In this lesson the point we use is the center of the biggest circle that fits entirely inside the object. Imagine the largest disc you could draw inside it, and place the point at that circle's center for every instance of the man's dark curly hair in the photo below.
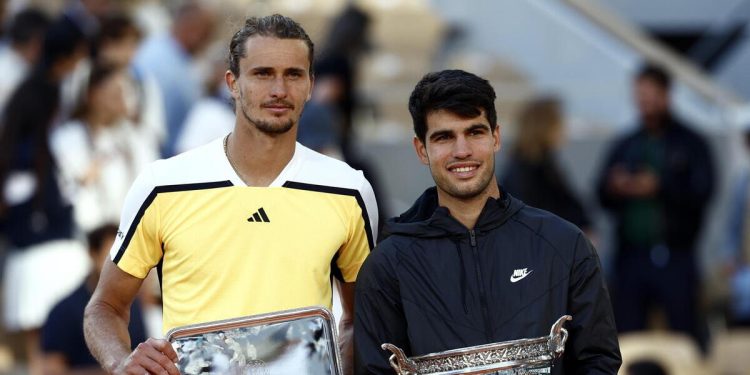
(455, 91)
(656, 74)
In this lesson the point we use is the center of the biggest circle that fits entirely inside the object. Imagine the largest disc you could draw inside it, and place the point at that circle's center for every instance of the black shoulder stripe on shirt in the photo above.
(339, 191)
(147, 202)
(335, 270)
(160, 269)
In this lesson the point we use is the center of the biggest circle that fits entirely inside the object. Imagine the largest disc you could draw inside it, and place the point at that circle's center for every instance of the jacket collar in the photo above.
(426, 219)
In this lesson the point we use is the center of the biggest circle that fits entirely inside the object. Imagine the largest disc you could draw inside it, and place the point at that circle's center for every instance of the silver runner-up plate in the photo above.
(299, 341)
(522, 356)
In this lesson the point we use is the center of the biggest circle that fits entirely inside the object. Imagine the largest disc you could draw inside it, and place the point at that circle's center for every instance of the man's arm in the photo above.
(105, 327)
(592, 347)
(689, 191)
(346, 326)
(379, 316)
(611, 176)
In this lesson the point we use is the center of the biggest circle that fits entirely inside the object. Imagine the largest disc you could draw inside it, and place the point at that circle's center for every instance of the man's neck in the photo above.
(655, 125)
(467, 211)
(257, 157)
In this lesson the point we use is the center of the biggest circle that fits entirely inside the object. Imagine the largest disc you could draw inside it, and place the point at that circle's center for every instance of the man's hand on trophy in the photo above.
(154, 356)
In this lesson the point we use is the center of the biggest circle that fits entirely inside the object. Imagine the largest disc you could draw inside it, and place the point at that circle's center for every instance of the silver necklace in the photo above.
(226, 152)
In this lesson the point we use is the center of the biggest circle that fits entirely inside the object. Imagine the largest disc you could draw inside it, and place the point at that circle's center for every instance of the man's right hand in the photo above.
(618, 181)
(105, 325)
(154, 356)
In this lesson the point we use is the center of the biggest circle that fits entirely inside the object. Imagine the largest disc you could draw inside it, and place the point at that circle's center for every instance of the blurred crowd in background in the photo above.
(615, 130)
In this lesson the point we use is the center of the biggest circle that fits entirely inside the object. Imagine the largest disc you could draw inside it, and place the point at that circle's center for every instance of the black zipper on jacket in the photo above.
(482, 294)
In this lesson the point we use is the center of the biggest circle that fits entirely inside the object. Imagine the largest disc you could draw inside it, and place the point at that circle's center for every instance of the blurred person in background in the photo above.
(98, 152)
(345, 44)
(63, 346)
(736, 262)
(25, 37)
(152, 16)
(533, 174)
(143, 128)
(116, 44)
(320, 127)
(3, 13)
(117, 40)
(212, 116)
(170, 59)
(44, 262)
(656, 182)
(85, 16)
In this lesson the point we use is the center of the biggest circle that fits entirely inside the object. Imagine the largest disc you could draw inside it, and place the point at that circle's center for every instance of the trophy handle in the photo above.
(399, 361)
(558, 336)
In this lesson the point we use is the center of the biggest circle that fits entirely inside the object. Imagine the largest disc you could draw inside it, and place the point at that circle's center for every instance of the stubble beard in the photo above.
(465, 192)
(265, 126)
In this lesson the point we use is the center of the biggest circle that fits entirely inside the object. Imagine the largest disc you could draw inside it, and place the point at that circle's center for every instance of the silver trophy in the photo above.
(523, 356)
(299, 341)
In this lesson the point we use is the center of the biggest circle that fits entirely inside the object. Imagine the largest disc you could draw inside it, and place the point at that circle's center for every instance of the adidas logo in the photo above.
(259, 217)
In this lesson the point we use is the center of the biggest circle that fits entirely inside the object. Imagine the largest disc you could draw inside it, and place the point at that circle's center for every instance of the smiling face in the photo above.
(273, 85)
(460, 153)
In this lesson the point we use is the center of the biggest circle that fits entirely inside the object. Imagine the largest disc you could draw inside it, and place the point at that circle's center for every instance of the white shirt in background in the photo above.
(118, 155)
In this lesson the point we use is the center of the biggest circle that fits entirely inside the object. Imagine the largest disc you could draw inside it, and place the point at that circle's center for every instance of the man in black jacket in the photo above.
(657, 181)
(468, 264)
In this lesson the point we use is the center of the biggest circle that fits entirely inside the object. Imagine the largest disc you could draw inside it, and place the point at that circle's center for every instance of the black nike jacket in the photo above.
(433, 285)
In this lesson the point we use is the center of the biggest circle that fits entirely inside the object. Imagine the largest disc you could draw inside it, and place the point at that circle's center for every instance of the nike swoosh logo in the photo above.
(514, 279)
